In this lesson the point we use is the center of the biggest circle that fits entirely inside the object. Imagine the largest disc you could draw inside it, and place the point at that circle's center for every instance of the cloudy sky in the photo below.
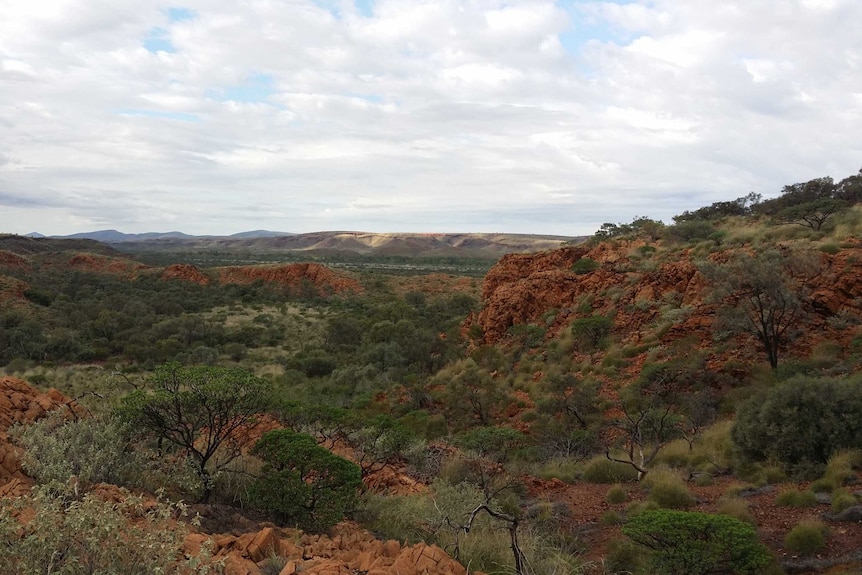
(534, 116)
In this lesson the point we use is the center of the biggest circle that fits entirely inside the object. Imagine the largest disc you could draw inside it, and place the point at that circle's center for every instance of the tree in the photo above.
(668, 401)
(762, 295)
(800, 423)
(691, 543)
(591, 332)
(812, 214)
(302, 482)
(206, 411)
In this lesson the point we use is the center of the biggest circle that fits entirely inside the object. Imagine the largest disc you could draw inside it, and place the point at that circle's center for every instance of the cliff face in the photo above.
(650, 297)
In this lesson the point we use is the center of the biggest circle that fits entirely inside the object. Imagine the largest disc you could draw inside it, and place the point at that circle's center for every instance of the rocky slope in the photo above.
(347, 550)
(20, 404)
(651, 299)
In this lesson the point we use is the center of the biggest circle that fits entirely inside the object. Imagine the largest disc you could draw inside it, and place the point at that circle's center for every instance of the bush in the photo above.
(303, 483)
(801, 423)
(88, 535)
(92, 450)
(688, 543)
(807, 538)
(600, 469)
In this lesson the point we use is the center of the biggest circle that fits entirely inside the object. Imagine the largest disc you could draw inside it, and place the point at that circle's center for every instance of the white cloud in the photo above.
(426, 115)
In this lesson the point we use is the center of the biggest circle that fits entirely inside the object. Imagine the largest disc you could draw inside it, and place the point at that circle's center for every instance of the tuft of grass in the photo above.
(600, 469)
(794, 498)
(668, 490)
(735, 507)
(807, 538)
(842, 499)
(609, 518)
(616, 495)
(561, 468)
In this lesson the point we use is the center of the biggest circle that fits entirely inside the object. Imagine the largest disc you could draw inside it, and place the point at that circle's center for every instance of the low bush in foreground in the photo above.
(87, 535)
(688, 543)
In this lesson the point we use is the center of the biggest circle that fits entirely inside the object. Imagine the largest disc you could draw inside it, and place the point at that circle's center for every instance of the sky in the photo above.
(523, 116)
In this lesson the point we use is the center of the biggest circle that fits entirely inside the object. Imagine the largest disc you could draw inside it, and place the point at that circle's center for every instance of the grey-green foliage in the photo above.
(89, 536)
(91, 449)
(801, 423)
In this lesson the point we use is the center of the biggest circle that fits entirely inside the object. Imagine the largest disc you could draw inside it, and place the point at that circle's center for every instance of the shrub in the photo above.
(75, 536)
(92, 450)
(688, 543)
(807, 538)
(793, 498)
(600, 469)
(801, 423)
(303, 483)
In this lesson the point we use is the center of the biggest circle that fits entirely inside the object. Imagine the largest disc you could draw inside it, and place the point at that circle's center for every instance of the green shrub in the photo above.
(585, 266)
(616, 495)
(793, 498)
(600, 469)
(807, 538)
(688, 543)
(303, 483)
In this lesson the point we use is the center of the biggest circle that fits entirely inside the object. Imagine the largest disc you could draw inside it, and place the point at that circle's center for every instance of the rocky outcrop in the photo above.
(12, 292)
(840, 284)
(13, 261)
(20, 403)
(185, 272)
(348, 550)
(653, 299)
(106, 265)
(294, 277)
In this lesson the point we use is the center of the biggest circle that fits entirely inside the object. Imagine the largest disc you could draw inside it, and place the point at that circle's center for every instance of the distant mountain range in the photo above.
(115, 237)
(331, 243)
